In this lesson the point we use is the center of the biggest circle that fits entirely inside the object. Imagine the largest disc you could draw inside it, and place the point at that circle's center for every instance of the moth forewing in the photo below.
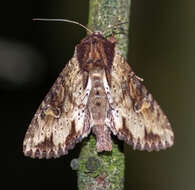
(60, 119)
(138, 117)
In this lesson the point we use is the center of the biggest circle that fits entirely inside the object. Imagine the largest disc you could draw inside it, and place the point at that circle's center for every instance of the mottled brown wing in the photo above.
(136, 116)
(62, 119)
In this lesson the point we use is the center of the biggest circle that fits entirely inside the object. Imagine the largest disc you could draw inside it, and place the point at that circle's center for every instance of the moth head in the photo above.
(94, 52)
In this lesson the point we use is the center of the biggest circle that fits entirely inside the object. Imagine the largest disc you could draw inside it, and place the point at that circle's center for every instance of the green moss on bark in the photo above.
(100, 170)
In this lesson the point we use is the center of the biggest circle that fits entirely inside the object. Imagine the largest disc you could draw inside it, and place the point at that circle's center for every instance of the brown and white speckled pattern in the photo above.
(136, 116)
(97, 90)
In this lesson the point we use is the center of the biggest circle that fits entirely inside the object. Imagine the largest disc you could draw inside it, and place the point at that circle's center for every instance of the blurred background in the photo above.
(161, 50)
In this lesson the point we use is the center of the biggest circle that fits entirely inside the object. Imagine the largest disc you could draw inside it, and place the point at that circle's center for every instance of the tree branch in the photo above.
(105, 170)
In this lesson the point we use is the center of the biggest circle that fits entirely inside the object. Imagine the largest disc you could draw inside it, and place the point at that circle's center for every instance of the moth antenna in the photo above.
(115, 25)
(62, 20)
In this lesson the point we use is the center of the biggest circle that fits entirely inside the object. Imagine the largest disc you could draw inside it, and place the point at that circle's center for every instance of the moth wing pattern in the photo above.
(136, 116)
(61, 119)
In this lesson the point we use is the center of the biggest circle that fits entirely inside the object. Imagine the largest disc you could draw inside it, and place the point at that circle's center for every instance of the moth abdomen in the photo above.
(103, 137)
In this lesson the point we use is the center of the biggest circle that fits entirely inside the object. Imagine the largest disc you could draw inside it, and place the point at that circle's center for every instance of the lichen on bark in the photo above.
(97, 171)
(100, 170)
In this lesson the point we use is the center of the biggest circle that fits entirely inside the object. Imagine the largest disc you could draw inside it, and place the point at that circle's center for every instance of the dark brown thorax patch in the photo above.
(95, 51)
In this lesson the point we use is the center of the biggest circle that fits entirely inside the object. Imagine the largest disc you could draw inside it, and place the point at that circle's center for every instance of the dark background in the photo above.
(161, 50)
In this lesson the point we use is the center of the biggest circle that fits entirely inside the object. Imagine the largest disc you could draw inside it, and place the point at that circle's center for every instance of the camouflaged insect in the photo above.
(97, 91)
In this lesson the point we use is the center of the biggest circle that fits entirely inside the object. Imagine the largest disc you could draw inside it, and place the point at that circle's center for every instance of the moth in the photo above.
(98, 92)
